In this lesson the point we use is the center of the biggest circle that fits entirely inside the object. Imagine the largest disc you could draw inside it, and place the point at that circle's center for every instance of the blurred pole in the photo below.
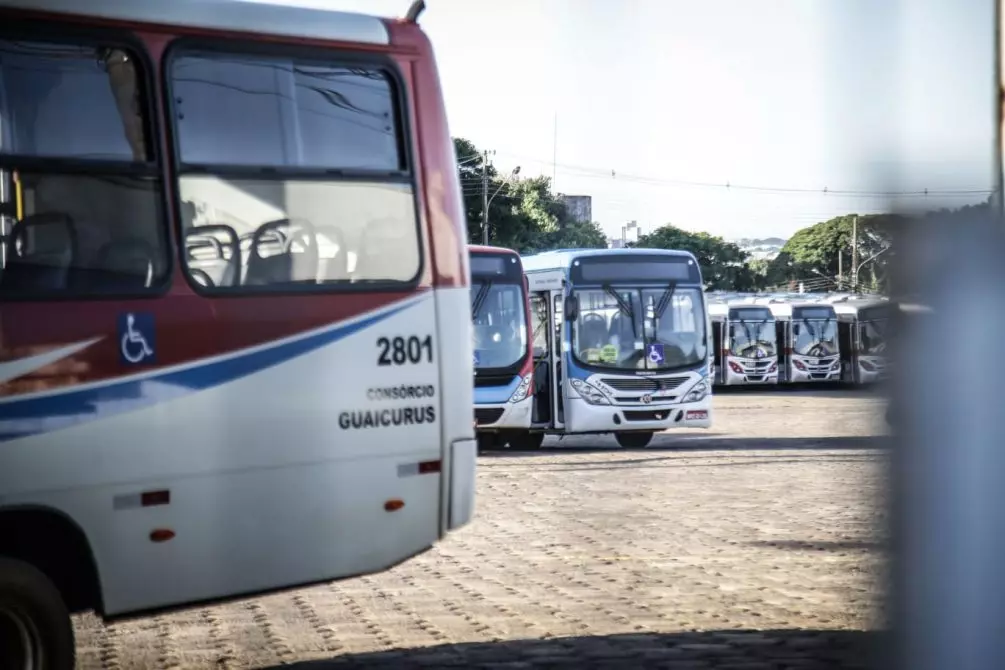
(998, 197)
(948, 462)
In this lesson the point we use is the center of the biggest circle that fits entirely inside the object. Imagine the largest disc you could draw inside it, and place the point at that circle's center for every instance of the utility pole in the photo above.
(854, 253)
(485, 197)
(840, 270)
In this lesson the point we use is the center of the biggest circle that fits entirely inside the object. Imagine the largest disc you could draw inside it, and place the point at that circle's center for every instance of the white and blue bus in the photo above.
(621, 343)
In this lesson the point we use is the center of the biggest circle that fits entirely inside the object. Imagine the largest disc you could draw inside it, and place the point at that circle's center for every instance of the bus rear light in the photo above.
(427, 467)
(393, 505)
(161, 535)
(154, 498)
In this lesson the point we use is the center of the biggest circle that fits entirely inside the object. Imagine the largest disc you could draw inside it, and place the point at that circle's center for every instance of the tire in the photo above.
(35, 627)
(633, 440)
(488, 441)
(526, 441)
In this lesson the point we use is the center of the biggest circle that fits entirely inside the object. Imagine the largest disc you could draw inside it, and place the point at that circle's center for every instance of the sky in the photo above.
(725, 116)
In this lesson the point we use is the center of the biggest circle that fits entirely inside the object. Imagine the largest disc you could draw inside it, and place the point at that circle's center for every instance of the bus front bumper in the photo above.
(582, 417)
(504, 416)
(734, 379)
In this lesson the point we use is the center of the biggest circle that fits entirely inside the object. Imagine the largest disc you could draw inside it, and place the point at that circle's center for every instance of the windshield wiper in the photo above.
(664, 301)
(625, 307)
(483, 292)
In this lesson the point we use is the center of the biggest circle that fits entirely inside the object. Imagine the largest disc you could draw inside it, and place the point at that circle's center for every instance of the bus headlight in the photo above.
(523, 389)
(589, 393)
(698, 392)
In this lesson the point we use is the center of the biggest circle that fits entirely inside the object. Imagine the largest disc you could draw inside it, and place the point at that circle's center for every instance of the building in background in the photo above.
(629, 233)
(580, 207)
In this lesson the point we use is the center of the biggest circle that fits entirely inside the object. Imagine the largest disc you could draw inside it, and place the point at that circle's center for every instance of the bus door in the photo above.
(541, 327)
(783, 335)
(557, 352)
(848, 350)
(719, 351)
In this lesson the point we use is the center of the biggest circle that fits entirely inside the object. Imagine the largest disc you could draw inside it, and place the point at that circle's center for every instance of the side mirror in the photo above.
(795, 329)
(571, 308)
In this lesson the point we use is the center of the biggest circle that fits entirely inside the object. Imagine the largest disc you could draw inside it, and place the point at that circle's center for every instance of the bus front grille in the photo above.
(644, 384)
(487, 415)
(489, 381)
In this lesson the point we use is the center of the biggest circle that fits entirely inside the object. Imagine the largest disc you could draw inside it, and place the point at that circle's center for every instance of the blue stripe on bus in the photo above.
(32, 416)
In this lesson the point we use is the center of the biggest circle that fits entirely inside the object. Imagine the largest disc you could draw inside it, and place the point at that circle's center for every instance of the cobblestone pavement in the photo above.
(753, 545)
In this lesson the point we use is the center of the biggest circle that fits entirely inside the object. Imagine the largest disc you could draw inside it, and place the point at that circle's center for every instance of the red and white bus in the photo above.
(235, 350)
(503, 351)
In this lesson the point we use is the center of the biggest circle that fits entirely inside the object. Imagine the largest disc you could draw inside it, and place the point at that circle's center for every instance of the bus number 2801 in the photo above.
(402, 350)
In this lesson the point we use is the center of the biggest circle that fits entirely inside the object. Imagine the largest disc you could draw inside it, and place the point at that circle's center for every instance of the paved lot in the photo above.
(753, 545)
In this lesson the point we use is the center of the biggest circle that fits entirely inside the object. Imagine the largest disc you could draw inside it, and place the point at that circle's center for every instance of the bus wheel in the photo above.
(488, 441)
(35, 628)
(526, 441)
(633, 440)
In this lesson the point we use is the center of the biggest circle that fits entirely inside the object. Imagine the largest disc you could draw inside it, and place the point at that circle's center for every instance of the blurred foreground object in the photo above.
(948, 590)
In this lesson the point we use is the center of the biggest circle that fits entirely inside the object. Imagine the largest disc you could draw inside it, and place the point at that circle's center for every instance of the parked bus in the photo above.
(235, 350)
(621, 342)
(503, 356)
(809, 332)
(745, 343)
(862, 333)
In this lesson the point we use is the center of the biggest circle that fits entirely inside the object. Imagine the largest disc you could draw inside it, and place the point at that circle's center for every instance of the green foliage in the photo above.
(524, 214)
(814, 251)
(724, 266)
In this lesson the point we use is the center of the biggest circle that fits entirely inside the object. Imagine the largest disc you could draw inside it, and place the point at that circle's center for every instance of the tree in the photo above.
(573, 235)
(814, 251)
(524, 214)
(469, 167)
(724, 266)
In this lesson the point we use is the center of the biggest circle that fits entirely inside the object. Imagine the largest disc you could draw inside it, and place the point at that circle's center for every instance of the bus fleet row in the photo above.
(799, 338)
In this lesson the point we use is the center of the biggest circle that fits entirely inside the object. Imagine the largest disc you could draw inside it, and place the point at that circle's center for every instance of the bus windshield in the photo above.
(873, 337)
(500, 324)
(752, 339)
(815, 337)
(622, 328)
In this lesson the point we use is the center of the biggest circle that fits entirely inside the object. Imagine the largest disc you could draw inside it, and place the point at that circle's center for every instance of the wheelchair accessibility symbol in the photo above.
(654, 352)
(136, 338)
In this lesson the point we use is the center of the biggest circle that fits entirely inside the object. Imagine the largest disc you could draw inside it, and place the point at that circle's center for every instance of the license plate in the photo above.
(696, 414)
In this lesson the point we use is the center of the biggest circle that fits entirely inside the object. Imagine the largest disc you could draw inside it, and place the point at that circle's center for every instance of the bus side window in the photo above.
(539, 324)
(95, 231)
(298, 118)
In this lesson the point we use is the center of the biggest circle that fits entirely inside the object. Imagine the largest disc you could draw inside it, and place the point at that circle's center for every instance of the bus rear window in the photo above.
(278, 112)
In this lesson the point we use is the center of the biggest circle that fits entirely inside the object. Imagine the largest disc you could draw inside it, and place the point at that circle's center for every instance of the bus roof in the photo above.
(482, 249)
(269, 18)
(562, 258)
(855, 306)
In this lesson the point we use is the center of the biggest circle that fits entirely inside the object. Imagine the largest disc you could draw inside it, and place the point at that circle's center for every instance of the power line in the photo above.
(593, 172)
